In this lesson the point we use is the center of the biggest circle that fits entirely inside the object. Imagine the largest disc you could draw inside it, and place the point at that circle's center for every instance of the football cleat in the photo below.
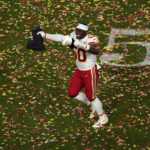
(101, 122)
(93, 114)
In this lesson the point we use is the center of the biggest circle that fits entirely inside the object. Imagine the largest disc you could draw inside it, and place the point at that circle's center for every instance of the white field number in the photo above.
(108, 58)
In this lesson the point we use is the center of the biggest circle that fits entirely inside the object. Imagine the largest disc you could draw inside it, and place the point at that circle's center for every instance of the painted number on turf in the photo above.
(107, 59)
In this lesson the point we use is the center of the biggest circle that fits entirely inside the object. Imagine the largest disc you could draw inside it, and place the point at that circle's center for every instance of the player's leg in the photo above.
(90, 86)
(75, 87)
(90, 83)
(103, 119)
(95, 76)
(82, 97)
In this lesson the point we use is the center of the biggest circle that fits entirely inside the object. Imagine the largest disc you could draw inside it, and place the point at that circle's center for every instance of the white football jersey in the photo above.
(84, 59)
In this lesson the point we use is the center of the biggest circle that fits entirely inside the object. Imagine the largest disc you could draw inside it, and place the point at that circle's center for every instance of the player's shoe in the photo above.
(92, 115)
(101, 122)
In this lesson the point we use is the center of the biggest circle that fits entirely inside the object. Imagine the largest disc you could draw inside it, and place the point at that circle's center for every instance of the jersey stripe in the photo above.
(93, 83)
(93, 44)
(91, 36)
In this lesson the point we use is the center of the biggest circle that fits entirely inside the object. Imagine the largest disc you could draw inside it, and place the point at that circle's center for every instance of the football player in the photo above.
(86, 49)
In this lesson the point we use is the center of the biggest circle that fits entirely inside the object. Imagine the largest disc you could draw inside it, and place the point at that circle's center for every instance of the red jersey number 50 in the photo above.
(81, 55)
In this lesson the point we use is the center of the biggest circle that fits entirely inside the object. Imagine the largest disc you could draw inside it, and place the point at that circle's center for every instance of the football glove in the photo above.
(67, 41)
(43, 34)
(82, 45)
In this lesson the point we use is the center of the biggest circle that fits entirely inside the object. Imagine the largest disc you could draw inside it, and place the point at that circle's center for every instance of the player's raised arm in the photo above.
(65, 39)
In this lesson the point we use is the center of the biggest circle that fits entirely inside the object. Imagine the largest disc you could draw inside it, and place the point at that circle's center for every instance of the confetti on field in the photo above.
(35, 110)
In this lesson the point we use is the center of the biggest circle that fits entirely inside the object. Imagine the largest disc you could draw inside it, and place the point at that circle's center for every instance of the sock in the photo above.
(97, 106)
(82, 97)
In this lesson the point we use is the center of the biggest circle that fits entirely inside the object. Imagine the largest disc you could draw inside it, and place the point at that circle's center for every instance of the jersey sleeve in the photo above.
(93, 41)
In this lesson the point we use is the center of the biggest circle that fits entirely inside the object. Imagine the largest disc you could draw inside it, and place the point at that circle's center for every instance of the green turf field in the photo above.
(35, 110)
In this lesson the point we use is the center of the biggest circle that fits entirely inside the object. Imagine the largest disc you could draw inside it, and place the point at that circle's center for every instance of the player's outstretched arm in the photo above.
(65, 39)
(53, 37)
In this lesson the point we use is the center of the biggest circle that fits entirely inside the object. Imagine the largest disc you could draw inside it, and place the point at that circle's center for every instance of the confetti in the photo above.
(35, 110)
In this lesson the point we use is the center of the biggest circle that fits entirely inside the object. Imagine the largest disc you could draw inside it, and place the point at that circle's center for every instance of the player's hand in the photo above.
(82, 45)
(67, 41)
(42, 33)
